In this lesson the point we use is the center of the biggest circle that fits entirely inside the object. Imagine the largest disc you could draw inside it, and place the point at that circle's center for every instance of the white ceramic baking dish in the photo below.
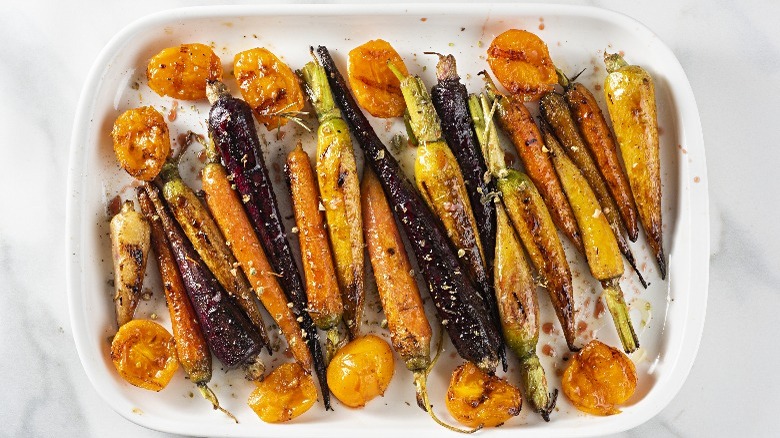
(671, 315)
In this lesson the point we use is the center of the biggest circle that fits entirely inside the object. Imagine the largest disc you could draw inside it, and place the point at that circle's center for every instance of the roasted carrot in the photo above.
(530, 218)
(232, 129)
(450, 98)
(441, 184)
(519, 309)
(515, 119)
(202, 231)
(232, 220)
(228, 331)
(556, 113)
(601, 144)
(322, 289)
(191, 347)
(601, 247)
(459, 306)
(129, 250)
(339, 186)
(631, 103)
(410, 331)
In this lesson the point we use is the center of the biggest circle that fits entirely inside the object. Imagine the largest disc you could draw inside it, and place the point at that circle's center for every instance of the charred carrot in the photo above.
(519, 310)
(601, 248)
(191, 347)
(630, 97)
(440, 182)
(233, 131)
(515, 119)
(601, 144)
(129, 249)
(202, 231)
(322, 289)
(228, 331)
(530, 218)
(340, 192)
(450, 98)
(231, 219)
(410, 331)
(459, 307)
(556, 113)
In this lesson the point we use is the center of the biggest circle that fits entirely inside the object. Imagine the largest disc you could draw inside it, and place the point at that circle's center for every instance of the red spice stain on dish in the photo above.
(202, 156)
(548, 328)
(113, 206)
(548, 350)
(173, 112)
(582, 326)
(660, 130)
(423, 19)
(696, 179)
(541, 26)
(599, 310)
(597, 87)
(685, 151)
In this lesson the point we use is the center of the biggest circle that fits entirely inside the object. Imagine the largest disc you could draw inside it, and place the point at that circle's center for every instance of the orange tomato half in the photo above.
(144, 354)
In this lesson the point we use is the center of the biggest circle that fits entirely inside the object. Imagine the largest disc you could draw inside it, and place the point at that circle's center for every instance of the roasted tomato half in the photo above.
(144, 353)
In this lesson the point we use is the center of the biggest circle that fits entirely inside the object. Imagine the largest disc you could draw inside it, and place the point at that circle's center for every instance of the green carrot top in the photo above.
(318, 89)
(423, 119)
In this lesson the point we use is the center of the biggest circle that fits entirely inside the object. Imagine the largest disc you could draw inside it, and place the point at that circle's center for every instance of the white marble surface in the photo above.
(730, 51)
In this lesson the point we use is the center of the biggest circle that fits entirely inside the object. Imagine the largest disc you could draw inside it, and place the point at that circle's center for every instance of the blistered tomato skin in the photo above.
(181, 71)
(599, 378)
(269, 86)
(521, 61)
(141, 142)
(284, 394)
(374, 85)
(477, 399)
(144, 354)
(361, 370)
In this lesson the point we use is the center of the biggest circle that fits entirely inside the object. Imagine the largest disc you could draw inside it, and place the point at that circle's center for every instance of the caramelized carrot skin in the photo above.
(467, 321)
(630, 96)
(232, 220)
(231, 126)
(601, 144)
(517, 121)
(228, 331)
(322, 289)
(410, 331)
(191, 347)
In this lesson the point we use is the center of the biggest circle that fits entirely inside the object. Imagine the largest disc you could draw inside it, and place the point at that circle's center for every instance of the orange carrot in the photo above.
(519, 125)
(232, 220)
(325, 300)
(401, 302)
